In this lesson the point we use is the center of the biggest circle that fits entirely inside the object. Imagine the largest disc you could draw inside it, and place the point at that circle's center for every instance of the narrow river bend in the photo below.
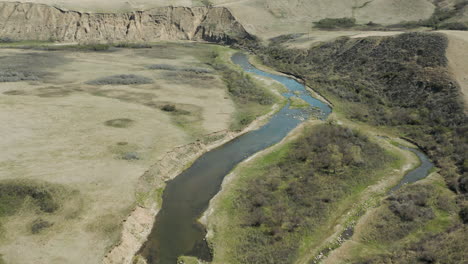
(176, 231)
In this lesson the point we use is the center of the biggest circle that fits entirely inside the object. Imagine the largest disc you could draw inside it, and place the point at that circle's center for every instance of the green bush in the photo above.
(39, 224)
(464, 214)
(122, 79)
(332, 23)
(168, 108)
(13, 194)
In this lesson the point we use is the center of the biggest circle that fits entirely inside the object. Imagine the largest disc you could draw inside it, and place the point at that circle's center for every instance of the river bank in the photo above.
(140, 221)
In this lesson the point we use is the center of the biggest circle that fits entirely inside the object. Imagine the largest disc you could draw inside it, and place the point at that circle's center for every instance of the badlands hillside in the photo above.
(268, 18)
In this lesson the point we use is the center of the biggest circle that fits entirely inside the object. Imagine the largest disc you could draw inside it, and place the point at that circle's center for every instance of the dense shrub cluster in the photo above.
(332, 23)
(296, 194)
(169, 67)
(122, 79)
(40, 224)
(14, 76)
(6, 40)
(399, 81)
(12, 196)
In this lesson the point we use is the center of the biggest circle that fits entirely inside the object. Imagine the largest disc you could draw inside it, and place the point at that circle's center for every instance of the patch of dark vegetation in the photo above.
(131, 156)
(400, 82)
(295, 195)
(285, 38)
(30, 66)
(168, 108)
(134, 45)
(13, 195)
(121, 79)
(53, 92)
(448, 247)
(407, 210)
(14, 92)
(413, 210)
(15, 76)
(464, 214)
(241, 86)
(168, 67)
(80, 47)
(335, 23)
(39, 225)
(119, 123)
(6, 40)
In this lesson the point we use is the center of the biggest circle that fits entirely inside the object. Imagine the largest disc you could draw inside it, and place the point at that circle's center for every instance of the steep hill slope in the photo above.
(268, 18)
(42, 22)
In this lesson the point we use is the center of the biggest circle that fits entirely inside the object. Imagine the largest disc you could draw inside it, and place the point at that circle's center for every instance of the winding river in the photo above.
(177, 231)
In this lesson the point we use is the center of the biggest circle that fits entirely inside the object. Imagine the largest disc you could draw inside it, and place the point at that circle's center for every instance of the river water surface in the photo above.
(176, 231)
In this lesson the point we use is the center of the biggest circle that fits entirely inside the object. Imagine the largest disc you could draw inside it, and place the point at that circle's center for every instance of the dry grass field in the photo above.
(270, 18)
(74, 146)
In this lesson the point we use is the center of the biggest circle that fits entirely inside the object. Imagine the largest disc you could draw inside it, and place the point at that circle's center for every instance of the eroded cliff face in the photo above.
(27, 21)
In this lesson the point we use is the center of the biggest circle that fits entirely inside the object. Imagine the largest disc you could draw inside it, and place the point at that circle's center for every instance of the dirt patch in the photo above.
(458, 60)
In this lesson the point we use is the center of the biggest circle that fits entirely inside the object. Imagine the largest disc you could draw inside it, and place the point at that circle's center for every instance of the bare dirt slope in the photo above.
(92, 141)
(457, 54)
(26, 21)
(268, 18)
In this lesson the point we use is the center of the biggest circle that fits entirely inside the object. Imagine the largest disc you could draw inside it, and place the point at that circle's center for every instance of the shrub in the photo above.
(131, 156)
(464, 214)
(454, 26)
(134, 45)
(39, 224)
(169, 67)
(6, 40)
(168, 108)
(119, 123)
(122, 79)
(331, 23)
(13, 194)
(14, 76)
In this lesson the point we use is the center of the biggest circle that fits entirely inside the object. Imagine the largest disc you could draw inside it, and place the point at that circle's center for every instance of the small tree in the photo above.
(207, 3)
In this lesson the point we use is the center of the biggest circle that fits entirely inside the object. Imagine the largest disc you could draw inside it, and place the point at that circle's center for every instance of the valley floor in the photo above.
(82, 127)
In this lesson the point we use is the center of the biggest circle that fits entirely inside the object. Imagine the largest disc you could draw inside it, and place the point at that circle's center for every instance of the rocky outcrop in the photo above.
(28, 21)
